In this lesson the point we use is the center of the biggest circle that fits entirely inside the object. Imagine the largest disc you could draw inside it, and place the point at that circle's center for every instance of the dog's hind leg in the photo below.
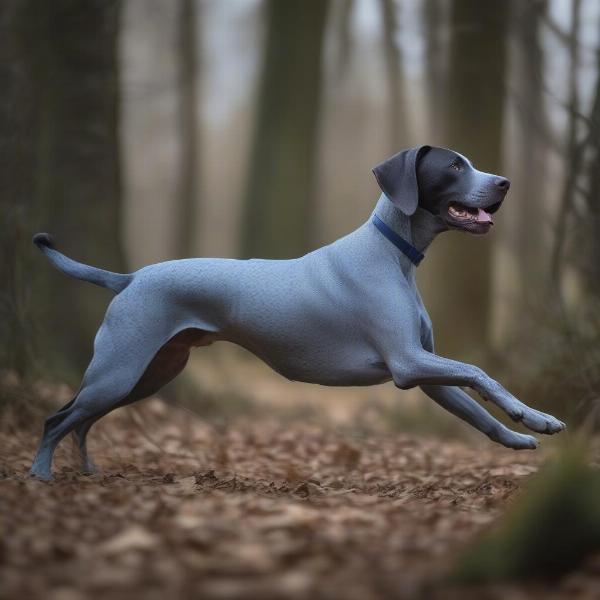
(91, 403)
(88, 465)
(55, 428)
(80, 432)
(117, 365)
(168, 362)
(102, 390)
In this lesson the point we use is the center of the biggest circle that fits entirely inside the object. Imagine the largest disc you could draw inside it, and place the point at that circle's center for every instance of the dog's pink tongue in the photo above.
(484, 217)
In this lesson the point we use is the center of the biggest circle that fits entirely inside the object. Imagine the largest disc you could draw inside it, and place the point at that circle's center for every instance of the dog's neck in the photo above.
(419, 230)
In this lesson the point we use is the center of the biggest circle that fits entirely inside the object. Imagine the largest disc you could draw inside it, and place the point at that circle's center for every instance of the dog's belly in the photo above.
(332, 364)
(310, 371)
(362, 375)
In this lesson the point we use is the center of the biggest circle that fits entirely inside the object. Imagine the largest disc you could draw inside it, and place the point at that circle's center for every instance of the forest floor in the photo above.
(254, 508)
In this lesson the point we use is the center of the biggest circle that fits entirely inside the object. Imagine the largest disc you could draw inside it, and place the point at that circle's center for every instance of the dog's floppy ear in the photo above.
(397, 178)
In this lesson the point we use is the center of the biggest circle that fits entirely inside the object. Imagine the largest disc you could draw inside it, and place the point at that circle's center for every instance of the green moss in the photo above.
(551, 531)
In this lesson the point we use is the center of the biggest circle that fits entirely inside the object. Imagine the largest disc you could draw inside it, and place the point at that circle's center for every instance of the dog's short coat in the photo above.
(346, 314)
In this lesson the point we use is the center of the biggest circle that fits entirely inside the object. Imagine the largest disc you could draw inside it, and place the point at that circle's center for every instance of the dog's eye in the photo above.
(456, 166)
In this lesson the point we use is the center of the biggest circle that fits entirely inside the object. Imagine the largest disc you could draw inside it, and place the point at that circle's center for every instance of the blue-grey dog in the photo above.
(346, 314)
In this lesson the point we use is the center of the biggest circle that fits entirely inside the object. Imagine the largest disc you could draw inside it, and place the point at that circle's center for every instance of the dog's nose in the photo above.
(502, 183)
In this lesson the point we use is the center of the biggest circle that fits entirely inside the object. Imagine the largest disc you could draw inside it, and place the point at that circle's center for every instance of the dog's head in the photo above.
(445, 183)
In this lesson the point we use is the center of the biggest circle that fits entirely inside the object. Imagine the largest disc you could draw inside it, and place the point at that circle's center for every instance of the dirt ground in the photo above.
(254, 508)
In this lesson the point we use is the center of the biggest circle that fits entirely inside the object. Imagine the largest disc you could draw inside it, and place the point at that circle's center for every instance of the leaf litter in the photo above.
(254, 509)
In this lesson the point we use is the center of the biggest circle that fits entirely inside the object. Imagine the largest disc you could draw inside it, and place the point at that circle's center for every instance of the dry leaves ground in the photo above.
(257, 508)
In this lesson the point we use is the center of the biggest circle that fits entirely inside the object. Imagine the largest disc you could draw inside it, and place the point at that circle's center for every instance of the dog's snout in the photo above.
(502, 183)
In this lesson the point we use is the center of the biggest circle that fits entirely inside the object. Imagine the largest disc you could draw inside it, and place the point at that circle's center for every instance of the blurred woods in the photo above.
(148, 130)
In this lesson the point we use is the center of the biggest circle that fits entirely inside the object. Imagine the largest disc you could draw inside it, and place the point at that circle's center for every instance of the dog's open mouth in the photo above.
(471, 218)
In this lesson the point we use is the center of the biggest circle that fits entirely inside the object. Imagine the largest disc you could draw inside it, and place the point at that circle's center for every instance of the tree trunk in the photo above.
(585, 248)
(474, 117)
(188, 126)
(344, 39)
(66, 133)
(575, 150)
(280, 188)
(532, 148)
(399, 136)
(17, 158)
(435, 20)
(522, 258)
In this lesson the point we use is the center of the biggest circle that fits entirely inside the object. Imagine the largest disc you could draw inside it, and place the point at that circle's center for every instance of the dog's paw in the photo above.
(90, 468)
(532, 419)
(541, 422)
(40, 475)
(514, 440)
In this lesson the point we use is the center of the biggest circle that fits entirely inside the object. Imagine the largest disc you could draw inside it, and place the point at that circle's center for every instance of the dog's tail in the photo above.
(116, 282)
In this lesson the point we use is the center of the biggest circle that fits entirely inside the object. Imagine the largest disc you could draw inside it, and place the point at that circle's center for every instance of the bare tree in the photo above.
(278, 202)
(17, 203)
(474, 126)
(531, 145)
(188, 126)
(398, 122)
(68, 184)
(575, 149)
(344, 38)
(585, 245)
(434, 19)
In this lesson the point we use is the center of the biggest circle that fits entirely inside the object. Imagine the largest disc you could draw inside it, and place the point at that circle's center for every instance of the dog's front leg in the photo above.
(460, 404)
(425, 368)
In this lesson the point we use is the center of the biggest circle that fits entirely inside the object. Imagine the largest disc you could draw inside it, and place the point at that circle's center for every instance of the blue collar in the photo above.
(407, 249)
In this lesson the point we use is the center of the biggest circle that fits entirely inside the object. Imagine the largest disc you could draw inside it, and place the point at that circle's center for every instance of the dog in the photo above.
(346, 314)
